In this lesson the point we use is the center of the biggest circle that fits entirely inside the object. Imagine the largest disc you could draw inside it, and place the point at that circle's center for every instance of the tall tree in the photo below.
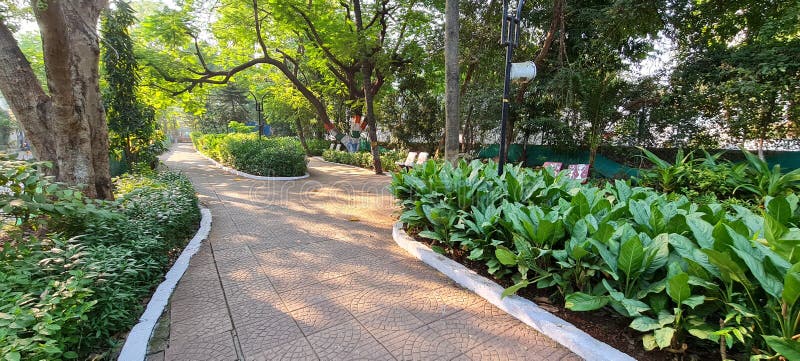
(354, 45)
(738, 65)
(66, 123)
(452, 81)
(132, 124)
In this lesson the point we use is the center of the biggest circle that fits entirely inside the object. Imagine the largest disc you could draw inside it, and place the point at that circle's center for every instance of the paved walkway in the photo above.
(307, 270)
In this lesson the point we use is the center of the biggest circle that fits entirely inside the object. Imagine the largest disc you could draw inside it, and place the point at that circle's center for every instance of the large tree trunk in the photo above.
(367, 69)
(68, 127)
(452, 78)
(371, 123)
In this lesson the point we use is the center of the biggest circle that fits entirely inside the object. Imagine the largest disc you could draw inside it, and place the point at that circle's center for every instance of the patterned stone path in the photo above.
(307, 270)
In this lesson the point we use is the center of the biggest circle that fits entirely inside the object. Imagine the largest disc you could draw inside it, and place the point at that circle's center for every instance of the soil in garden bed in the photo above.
(604, 325)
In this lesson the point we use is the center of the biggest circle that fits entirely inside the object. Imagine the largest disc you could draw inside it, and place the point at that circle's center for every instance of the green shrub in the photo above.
(238, 127)
(364, 159)
(71, 293)
(678, 270)
(708, 180)
(271, 157)
(317, 146)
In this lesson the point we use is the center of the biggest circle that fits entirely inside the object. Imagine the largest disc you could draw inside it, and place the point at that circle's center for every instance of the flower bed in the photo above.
(74, 272)
(686, 276)
(364, 159)
(267, 157)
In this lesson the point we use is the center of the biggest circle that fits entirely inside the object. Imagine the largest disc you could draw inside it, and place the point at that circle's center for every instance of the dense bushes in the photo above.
(680, 271)
(270, 157)
(709, 179)
(364, 159)
(317, 146)
(74, 272)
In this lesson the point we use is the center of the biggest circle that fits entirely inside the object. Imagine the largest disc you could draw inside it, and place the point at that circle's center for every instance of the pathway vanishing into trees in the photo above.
(308, 270)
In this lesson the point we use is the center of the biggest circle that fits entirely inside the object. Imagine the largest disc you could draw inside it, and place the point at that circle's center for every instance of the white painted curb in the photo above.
(387, 173)
(247, 175)
(522, 309)
(135, 348)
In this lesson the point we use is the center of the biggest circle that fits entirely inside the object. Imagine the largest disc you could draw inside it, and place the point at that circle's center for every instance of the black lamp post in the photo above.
(509, 38)
(259, 111)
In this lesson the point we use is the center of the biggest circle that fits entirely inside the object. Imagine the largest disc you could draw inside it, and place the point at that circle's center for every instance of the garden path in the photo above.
(307, 270)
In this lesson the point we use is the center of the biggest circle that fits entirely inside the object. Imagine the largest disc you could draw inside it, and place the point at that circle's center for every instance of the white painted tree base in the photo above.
(520, 308)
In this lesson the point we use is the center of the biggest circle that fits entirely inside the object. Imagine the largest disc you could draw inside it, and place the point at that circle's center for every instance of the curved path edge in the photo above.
(135, 347)
(520, 308)
(248, 175)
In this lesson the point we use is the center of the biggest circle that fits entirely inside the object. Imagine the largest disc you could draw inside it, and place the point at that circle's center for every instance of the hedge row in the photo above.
(269, 157)
(364, 159)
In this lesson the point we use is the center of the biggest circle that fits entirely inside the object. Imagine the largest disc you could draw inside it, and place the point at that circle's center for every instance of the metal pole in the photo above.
(509, 37)
(259, 108)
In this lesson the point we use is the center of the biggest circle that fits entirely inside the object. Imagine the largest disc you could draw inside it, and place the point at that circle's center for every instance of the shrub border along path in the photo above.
(522, 309)
(248, 175)
(319, 158)
(135, 348)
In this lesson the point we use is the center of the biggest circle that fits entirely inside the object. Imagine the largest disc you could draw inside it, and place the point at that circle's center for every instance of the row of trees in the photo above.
(733, 72)
(732, 76)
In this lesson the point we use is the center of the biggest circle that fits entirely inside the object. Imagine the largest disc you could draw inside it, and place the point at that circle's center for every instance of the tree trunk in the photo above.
(452, 79)
(367, 68)
(68, 126)
(301, 135)
(371, 123)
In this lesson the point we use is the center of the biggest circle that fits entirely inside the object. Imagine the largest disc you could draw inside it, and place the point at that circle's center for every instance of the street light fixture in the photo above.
(259, 111)
(509, 38)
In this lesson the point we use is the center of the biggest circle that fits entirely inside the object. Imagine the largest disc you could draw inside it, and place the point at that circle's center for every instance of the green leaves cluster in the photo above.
(682, 272)
(133, 131)
(752, 181)
(74, 272)
(270, 157)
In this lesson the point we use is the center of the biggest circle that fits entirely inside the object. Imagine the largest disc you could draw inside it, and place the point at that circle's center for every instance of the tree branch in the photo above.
(257, 21)
(317, 38)
(199, 54)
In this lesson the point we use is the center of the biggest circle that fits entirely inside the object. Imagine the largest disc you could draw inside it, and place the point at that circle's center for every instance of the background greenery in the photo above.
(364, 159)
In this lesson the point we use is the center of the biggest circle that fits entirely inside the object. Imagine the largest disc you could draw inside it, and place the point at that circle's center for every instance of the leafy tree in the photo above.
(65, 122)
(737, 65)
(353, 46)
(132, 125)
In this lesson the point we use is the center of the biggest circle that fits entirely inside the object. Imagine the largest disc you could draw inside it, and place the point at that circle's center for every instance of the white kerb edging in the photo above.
(522, 309)
(248, 175)
(135, 348)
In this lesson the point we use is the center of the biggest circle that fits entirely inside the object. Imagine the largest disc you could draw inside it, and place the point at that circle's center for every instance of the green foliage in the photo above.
(71, 293)
(708, 180)
(237, 127)
(679, 270)
(133, 130)
(270, 157)
(364, 159)
(763, 181)
(317, 146)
